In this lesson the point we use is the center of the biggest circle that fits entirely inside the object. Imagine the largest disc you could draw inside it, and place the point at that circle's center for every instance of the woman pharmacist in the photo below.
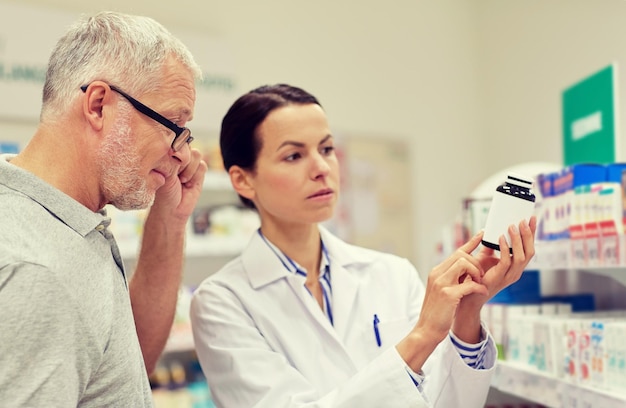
(303, 319)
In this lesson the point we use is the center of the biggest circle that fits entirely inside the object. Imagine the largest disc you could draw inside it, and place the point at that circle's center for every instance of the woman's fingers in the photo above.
(468, 287)
(528, 237)
(472, 244)
(462, 268)
(463, 252)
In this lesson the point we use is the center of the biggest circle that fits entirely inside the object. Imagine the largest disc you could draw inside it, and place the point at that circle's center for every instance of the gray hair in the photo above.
(124, 50)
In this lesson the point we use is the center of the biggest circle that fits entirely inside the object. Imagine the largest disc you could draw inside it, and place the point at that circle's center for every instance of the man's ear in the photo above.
(97, 95)
(240, 179)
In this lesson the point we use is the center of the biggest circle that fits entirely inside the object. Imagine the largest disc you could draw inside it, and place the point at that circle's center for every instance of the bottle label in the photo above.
(504, 211)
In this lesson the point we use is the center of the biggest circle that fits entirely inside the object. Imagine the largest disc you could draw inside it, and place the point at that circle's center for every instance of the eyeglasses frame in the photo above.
(154, 115)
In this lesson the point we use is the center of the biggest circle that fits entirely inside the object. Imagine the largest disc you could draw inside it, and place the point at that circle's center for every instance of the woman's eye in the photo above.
(328, 149)
(293, 157)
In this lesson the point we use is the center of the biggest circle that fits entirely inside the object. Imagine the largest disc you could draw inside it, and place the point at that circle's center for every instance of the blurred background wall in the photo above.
(472, 86)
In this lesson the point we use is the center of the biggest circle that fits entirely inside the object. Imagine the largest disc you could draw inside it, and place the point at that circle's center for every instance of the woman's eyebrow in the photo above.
(300, 144)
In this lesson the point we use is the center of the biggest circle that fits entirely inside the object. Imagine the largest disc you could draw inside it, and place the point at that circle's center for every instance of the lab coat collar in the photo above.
(342, 253)
(261, 264)
(267, 267)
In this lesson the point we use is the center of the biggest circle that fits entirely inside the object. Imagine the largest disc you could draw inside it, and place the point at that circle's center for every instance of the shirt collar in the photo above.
(66, 209)
(291, 265)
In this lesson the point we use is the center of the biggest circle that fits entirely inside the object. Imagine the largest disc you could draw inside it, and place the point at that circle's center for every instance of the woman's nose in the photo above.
(321, 167)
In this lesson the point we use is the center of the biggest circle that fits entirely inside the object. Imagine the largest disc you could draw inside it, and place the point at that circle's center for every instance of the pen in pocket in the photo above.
(376, 332)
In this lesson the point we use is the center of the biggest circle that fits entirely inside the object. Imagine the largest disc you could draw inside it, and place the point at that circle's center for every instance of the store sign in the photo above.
(219, 87)
(589, 109)
(24, 53)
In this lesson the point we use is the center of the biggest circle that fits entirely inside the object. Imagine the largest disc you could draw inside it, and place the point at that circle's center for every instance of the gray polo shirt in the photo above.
(67, 334)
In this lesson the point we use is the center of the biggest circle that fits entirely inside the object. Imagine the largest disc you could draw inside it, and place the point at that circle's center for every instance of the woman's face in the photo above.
(296, 180)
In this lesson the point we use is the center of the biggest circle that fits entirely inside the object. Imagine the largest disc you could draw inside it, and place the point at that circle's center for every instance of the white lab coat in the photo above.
(263, 341)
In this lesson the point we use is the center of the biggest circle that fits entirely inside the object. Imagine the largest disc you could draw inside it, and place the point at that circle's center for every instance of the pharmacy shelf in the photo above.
(617, 273)
(216, 180)
(216, 191)
(551, 256)
(196, 247)
(180, 340)
(550, 391)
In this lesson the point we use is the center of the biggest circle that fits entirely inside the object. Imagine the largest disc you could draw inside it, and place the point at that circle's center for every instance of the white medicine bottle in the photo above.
(512, 202)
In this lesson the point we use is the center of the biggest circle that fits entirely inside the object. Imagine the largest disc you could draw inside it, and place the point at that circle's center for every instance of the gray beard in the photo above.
(121, 183)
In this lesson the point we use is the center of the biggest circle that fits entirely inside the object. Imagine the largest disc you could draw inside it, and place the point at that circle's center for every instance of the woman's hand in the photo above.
(500, 272)
(503, 271)
(458, 276)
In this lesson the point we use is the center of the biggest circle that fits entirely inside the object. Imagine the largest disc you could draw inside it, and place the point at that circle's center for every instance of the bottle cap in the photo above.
(519, 180)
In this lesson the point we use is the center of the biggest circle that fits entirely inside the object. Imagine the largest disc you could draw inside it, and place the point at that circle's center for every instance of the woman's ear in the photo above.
(240, 179)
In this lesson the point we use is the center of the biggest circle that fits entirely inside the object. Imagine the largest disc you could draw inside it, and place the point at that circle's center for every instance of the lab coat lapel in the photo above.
(344, 260)
(296, 283)
(264, 267)
(345, 288)
(329, 337)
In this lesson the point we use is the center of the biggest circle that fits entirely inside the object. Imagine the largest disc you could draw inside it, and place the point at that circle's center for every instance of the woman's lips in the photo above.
(322, 193)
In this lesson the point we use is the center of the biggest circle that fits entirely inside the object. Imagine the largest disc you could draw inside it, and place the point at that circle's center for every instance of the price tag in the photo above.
(578, 253)
(610, 250)
(593, 251)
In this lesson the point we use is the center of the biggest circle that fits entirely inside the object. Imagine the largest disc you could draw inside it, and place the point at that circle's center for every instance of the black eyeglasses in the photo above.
(183, 134)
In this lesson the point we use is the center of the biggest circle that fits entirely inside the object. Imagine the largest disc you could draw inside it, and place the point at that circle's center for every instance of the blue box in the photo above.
(526, 290)
(581, 302)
